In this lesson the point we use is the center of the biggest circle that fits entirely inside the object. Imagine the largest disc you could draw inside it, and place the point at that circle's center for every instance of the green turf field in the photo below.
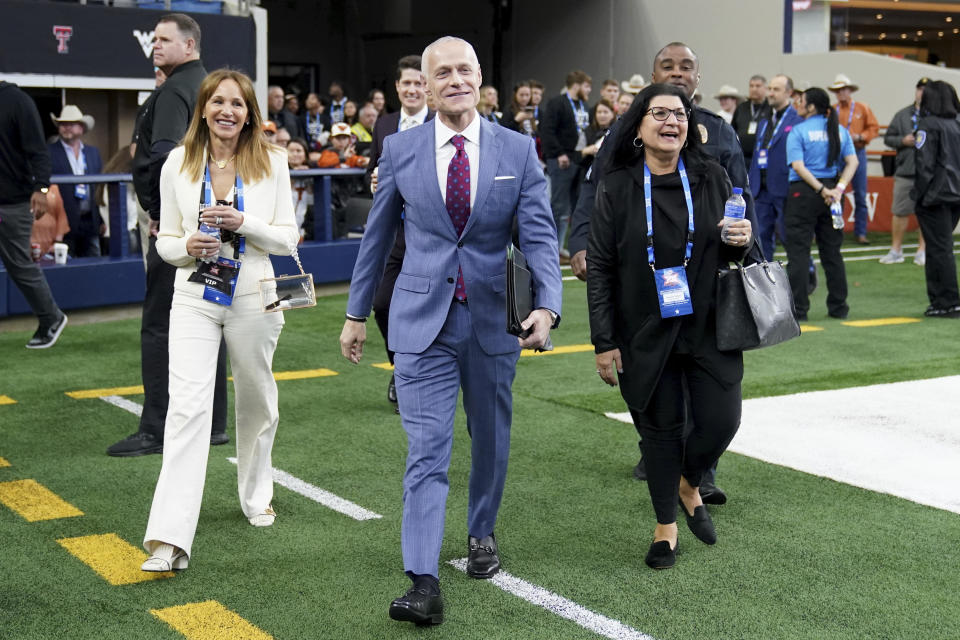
(799, 556)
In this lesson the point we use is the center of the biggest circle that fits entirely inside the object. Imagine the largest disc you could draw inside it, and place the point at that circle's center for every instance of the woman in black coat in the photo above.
(656, 352)
(937, 194)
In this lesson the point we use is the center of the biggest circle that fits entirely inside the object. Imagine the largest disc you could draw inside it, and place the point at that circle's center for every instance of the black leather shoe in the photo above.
(640, 471)
(483, 559)
(661, 556)
(712, 494)
(138, 444)
(392, 390)
(219, 438)
(700, 524)
(419, 606)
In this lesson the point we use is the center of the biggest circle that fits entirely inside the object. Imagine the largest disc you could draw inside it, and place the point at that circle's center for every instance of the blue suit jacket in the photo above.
(510, 183)
(777, 169)
(60, 165)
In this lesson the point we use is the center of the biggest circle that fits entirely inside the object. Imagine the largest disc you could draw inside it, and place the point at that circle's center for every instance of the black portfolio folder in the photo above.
(519, 294)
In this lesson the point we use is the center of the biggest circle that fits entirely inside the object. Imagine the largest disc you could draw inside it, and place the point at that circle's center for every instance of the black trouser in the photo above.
(381, 299)
(155, 354)
(806, 215)
(937, 224)
(666, 452)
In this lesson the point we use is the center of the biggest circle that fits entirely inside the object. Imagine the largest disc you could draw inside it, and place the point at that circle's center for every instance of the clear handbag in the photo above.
(288, 292)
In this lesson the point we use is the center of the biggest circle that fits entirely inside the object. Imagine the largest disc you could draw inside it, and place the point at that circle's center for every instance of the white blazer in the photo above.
(268, 222)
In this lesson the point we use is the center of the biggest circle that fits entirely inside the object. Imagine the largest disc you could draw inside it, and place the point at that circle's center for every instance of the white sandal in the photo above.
(264, 519)
(166, 557)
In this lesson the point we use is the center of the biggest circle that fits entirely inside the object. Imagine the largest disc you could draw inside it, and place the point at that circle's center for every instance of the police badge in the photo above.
(921, 138)
(703, 133)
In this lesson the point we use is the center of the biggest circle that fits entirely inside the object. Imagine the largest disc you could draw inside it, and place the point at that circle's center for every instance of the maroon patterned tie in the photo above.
(458, 199)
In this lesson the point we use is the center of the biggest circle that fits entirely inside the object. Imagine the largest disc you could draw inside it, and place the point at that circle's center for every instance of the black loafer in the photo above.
(661, 556)
(419, 606)
(392, 390)
(700, 524)
(712, 494)
(220, 437)
(483, 559)
(138, 444)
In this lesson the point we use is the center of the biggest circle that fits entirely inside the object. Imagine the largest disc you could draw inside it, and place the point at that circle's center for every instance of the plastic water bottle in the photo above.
(733, 211)
(836, 213)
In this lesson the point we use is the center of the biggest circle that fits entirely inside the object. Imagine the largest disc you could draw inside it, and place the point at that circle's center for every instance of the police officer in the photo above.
(675, 64)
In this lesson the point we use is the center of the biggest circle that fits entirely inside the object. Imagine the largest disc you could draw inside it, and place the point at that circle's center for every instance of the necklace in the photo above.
(222, 164)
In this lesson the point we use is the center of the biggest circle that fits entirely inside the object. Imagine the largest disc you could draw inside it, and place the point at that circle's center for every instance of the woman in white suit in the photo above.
(242, 185)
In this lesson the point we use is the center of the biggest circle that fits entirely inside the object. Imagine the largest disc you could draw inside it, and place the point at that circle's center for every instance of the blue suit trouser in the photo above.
(860, 195)
(427, 387)
(770, 221)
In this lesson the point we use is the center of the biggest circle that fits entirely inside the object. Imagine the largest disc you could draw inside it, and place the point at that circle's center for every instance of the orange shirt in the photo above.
(53, 225)
(863, 122)
(330, 159)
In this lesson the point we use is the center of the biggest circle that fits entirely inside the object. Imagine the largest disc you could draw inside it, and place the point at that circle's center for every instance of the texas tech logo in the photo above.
(62, 34)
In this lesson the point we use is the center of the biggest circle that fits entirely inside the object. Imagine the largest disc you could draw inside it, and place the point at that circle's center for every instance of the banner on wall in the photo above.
(113, 42)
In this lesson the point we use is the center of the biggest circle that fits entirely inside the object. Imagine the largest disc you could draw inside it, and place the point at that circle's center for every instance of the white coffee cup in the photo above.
(60, 252)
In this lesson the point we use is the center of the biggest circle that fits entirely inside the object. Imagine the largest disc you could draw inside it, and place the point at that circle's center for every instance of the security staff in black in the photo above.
(162, 123)
(936, 191)
(675, 64)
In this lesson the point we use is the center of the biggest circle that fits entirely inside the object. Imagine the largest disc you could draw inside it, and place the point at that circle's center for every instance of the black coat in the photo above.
(937, 162)
(558, 129)
(622, 295)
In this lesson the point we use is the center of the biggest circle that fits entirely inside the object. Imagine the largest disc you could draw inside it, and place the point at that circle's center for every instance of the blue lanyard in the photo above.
(577, 113)
(850, 116)
(308, 122)
(648, 205)
(237, 196)
(915, 118)
(763, 129)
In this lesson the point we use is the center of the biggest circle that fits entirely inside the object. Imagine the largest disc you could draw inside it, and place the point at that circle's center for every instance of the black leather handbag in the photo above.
(754, 305)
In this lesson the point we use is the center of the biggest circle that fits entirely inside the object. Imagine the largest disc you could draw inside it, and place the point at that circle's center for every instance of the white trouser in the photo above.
(196, 326)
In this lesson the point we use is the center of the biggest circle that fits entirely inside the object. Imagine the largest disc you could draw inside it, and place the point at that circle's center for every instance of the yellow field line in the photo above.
(113, 558)
(383, 365)
(880, 322)
(809, 328)
(572, 348)
(4, 462)
(34, 502)
(209, 620)
(86, 394)
(99, 393)
(7, 400)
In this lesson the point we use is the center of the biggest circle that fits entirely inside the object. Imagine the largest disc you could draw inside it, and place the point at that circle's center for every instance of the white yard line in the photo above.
(123, 403)
(901, 438)
(600, 624)
(322, 496)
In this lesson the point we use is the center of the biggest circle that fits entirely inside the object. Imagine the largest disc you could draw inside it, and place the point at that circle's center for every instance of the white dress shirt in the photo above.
(409, 122)
(446, 151)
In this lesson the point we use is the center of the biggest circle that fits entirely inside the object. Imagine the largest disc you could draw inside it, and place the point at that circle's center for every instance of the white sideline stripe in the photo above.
(282, 478)
(899, 438)
(123, 403)
(324, 497)
(565, 278)
(600, 624)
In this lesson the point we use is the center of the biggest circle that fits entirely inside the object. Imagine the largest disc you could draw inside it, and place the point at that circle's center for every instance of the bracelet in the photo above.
(820, 190)
(350, 317)
(841, 185)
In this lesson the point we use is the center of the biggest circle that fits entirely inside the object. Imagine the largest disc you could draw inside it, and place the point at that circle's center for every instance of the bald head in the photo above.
(779, 91)
(444, 44)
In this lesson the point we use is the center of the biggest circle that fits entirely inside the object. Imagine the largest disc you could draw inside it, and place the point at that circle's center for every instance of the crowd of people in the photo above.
(542, 167)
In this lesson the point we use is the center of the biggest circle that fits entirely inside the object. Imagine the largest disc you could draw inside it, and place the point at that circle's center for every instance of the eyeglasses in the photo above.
(662, 113)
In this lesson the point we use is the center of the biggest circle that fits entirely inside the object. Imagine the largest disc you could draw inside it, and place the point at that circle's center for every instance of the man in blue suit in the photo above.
(460, 182)
(768, 167)
(70, 156)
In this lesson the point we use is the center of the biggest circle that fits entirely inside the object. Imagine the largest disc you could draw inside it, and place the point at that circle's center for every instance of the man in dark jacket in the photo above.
(162, 123)
(563, 134)
(749, 113)
(69, 155)
(24, 181)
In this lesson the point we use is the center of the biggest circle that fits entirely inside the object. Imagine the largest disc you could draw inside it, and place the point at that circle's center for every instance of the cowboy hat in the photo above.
(634, 85)
(842, 81)
(727, 91)
(72, 113)
(800, 87)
